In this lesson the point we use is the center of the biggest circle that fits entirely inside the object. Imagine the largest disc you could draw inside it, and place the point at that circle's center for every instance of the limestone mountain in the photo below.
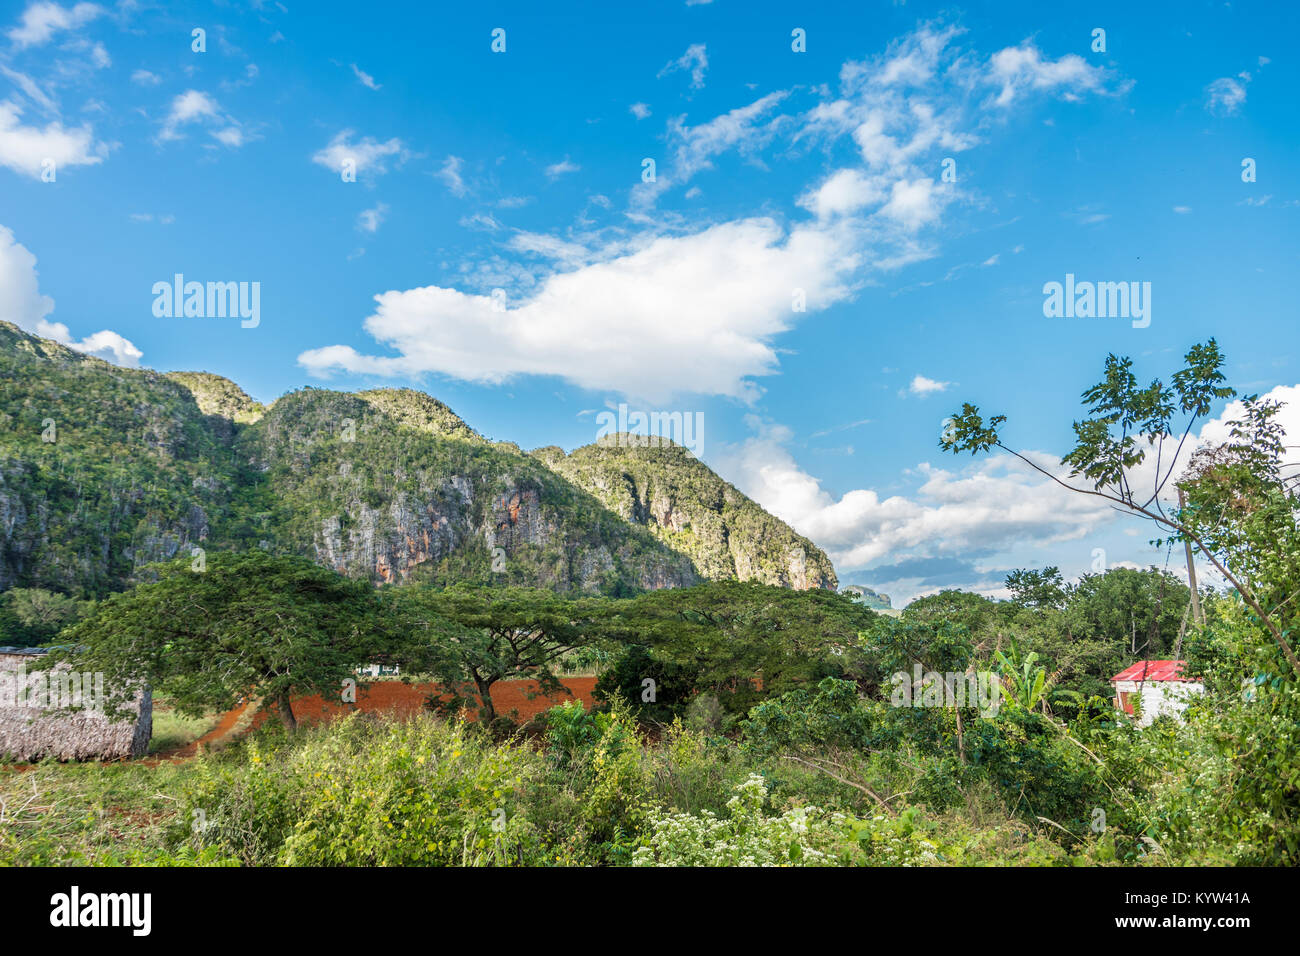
(661, 486)
(105, 469)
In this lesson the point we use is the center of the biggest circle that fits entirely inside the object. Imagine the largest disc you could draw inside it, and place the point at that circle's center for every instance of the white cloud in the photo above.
(912, 203)
(20, 299)
(1182, 210)
(188, 107)
(40, 21)
(993, 504)
(1225, 95)
(639, 110)
(231, 136)
(31, 89)
(482, 221)
(197, 107)
(683, 308)
(695, 147)
(680, 314)
(1019, 69)
(366, 79)
(368, 155)
(22, 303)
(845, 191)
(145, 78)
(562, 168)
(25, 148)
(996, 504)
(370, 219)
(450, 175)
(569, 254)
(926, 386)
(695, 61)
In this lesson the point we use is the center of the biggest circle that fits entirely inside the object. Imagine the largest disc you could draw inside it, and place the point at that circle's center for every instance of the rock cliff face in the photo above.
(397, 488)
(104, 470)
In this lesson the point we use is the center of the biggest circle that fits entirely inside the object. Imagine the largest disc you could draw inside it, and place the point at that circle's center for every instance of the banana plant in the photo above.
(1023, 685)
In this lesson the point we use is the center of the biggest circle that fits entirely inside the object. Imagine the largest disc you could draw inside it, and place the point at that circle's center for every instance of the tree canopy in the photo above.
(248, 625)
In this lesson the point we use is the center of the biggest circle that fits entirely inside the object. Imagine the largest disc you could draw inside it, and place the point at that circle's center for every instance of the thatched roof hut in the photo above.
(57, 713)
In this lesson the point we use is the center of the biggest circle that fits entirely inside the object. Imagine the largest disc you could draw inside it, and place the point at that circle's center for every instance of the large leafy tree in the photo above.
(1037, 589)
(250, 624)
(1137, 613)
(32, 616)
(745, 641)
(1126, 452)
(482, 635)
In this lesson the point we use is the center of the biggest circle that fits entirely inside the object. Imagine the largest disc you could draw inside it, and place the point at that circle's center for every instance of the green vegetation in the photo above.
(739, 723)
(30, 617)
(247, 625)
(173, 730)
(665, 489)
(104, 470)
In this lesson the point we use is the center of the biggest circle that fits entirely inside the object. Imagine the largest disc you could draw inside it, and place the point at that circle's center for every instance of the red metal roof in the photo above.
(1153, 670)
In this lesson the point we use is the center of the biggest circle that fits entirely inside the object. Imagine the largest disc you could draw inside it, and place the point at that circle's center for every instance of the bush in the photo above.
(416, 792)
(800, 836)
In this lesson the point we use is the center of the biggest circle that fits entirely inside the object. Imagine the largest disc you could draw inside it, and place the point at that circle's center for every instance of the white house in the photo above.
(1157, 688)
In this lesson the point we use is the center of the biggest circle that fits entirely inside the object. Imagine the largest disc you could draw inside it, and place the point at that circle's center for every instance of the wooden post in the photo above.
(1197, 616)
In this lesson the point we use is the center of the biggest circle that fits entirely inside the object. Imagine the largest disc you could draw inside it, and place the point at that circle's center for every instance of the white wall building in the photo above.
(1154, 689)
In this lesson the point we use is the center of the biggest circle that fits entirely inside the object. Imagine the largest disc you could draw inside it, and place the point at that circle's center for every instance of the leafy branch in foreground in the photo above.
(1240, 501)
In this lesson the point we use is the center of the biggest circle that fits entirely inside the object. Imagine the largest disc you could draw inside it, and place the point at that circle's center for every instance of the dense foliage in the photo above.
(738, 723)
(104, 470)
(663, 487)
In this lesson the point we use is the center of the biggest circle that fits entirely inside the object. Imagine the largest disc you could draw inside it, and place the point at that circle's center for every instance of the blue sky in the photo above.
(775, 170)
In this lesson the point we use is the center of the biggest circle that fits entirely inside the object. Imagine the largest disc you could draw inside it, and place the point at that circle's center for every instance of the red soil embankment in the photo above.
(397, 699)
(518, 699)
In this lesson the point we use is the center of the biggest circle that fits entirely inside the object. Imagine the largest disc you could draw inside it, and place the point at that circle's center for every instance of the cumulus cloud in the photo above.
(912, 203)
(196, 107)
(681, 314)
(40, 21)
(368, 156)
(25, 149)
(696, 309)
(1017, 70)
(954, 517)
(22, 303)
(992, 504)
(926, 386)
(639, 110)
(844, 191)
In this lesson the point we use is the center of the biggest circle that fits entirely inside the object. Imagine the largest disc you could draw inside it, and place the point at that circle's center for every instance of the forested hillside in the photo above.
(688, 507)
(106, 469)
